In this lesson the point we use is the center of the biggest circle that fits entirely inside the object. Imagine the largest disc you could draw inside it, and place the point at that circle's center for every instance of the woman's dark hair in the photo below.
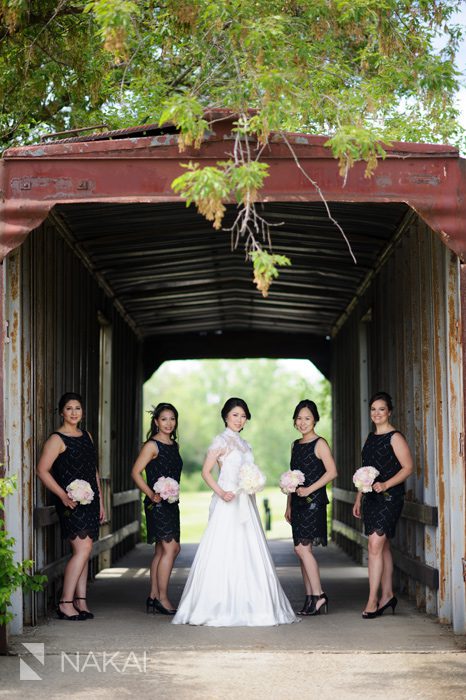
(155, 413)
(382, 396)
(230, 404)
(306, 403)
(69, 396)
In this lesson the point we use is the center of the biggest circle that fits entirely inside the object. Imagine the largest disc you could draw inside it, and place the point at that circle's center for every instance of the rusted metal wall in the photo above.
(57, 345)
(3, 452)
(412, 311)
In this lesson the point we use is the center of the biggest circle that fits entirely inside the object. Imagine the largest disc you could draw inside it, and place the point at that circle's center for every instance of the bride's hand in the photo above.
(228, 496)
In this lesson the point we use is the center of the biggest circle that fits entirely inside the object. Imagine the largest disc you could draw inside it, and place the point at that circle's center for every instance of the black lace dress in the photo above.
(163, 519)
(78, 461)
(309, 514)
(381, 511)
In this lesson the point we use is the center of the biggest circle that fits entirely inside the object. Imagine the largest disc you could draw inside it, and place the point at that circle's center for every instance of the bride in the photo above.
(232, 581)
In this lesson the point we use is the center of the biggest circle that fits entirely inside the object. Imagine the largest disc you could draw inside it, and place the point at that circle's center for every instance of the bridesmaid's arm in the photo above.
(148, 452)
(102, 517)
(403, 455)
(99, 488)
(288, 509)
(357, 505)
(322, 452)
(207, 467)
(52, 448)
(288, 498)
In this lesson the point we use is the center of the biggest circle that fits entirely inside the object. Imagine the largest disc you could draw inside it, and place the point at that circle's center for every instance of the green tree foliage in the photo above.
(365, 69)
(365, 72)
(13, 574)
(199, 390)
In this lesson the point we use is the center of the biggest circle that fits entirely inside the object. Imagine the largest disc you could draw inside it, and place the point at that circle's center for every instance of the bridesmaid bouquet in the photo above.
(290, 480)
(363, 478)
(251, 479)
(167, 488)
(80, 491)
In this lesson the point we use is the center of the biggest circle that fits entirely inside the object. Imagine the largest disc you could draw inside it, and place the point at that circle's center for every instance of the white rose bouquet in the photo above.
(251, 479)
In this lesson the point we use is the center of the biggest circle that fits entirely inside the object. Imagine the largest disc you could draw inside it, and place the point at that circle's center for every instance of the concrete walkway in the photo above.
(125, 652)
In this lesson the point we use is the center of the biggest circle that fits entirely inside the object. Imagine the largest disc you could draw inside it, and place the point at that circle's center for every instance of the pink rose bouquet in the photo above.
(363, 478)
(80, 491)
(167, 488)
(290, 480)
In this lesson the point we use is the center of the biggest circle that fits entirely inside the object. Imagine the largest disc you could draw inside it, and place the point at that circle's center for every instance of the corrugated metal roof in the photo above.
(174, 274)
(115, 134)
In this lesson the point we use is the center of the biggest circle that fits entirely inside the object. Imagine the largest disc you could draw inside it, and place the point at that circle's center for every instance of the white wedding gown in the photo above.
(233, 581)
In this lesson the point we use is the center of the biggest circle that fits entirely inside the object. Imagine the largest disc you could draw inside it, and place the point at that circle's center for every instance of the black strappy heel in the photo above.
(64, 616)
(85, 613)
(313, 610)
(307, 604)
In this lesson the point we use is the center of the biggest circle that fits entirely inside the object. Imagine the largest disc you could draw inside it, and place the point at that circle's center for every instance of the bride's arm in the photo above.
(207, 467)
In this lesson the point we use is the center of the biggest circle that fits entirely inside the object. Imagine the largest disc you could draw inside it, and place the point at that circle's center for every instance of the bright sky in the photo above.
(461, 62)
(303, 367)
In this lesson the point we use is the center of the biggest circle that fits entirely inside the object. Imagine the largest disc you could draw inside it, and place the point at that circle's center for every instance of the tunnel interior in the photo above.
(189, 296)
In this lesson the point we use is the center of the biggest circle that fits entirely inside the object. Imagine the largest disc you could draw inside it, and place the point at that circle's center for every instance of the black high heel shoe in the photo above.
(85, 613)
(306, 605)
(370, 615)
(162, 609)
(392, 603)
(64, 616)
(150, 605)
(314, 610)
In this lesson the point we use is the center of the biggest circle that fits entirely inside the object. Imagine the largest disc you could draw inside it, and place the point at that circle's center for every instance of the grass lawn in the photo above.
(194, 511)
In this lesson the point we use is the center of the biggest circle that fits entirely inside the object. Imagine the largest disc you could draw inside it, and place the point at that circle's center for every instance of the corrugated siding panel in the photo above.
(62, 349)
(408, 300)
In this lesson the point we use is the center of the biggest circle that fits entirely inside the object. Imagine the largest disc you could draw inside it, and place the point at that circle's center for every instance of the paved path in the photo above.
(124, 652)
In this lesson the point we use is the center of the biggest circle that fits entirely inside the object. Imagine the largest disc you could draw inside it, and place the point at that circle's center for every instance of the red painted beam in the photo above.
(430, 178)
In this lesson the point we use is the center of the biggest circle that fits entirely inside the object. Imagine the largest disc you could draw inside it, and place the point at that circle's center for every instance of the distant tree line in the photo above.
(199, 389)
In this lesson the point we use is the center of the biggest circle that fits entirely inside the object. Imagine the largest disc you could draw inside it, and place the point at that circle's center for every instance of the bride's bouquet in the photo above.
(251, 479)
(290, 480)
(167, 488)
(363, 478)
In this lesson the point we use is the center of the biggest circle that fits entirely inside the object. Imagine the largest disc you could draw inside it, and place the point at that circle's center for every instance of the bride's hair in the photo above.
(155, 413)
(230, 404)
(306, 403)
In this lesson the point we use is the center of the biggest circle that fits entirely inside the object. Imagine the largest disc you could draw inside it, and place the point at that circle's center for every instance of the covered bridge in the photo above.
(106, 274)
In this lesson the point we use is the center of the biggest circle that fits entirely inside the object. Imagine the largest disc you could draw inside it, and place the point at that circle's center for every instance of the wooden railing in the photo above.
(419, 512)
(47, 515)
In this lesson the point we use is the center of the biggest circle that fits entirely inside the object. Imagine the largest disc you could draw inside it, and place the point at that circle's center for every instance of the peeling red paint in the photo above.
(430, 178)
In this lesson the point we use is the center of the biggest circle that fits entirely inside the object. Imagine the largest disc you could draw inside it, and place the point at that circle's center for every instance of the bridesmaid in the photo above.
(387, 450)
(306, 509)
(160, 457)
(69, 454)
